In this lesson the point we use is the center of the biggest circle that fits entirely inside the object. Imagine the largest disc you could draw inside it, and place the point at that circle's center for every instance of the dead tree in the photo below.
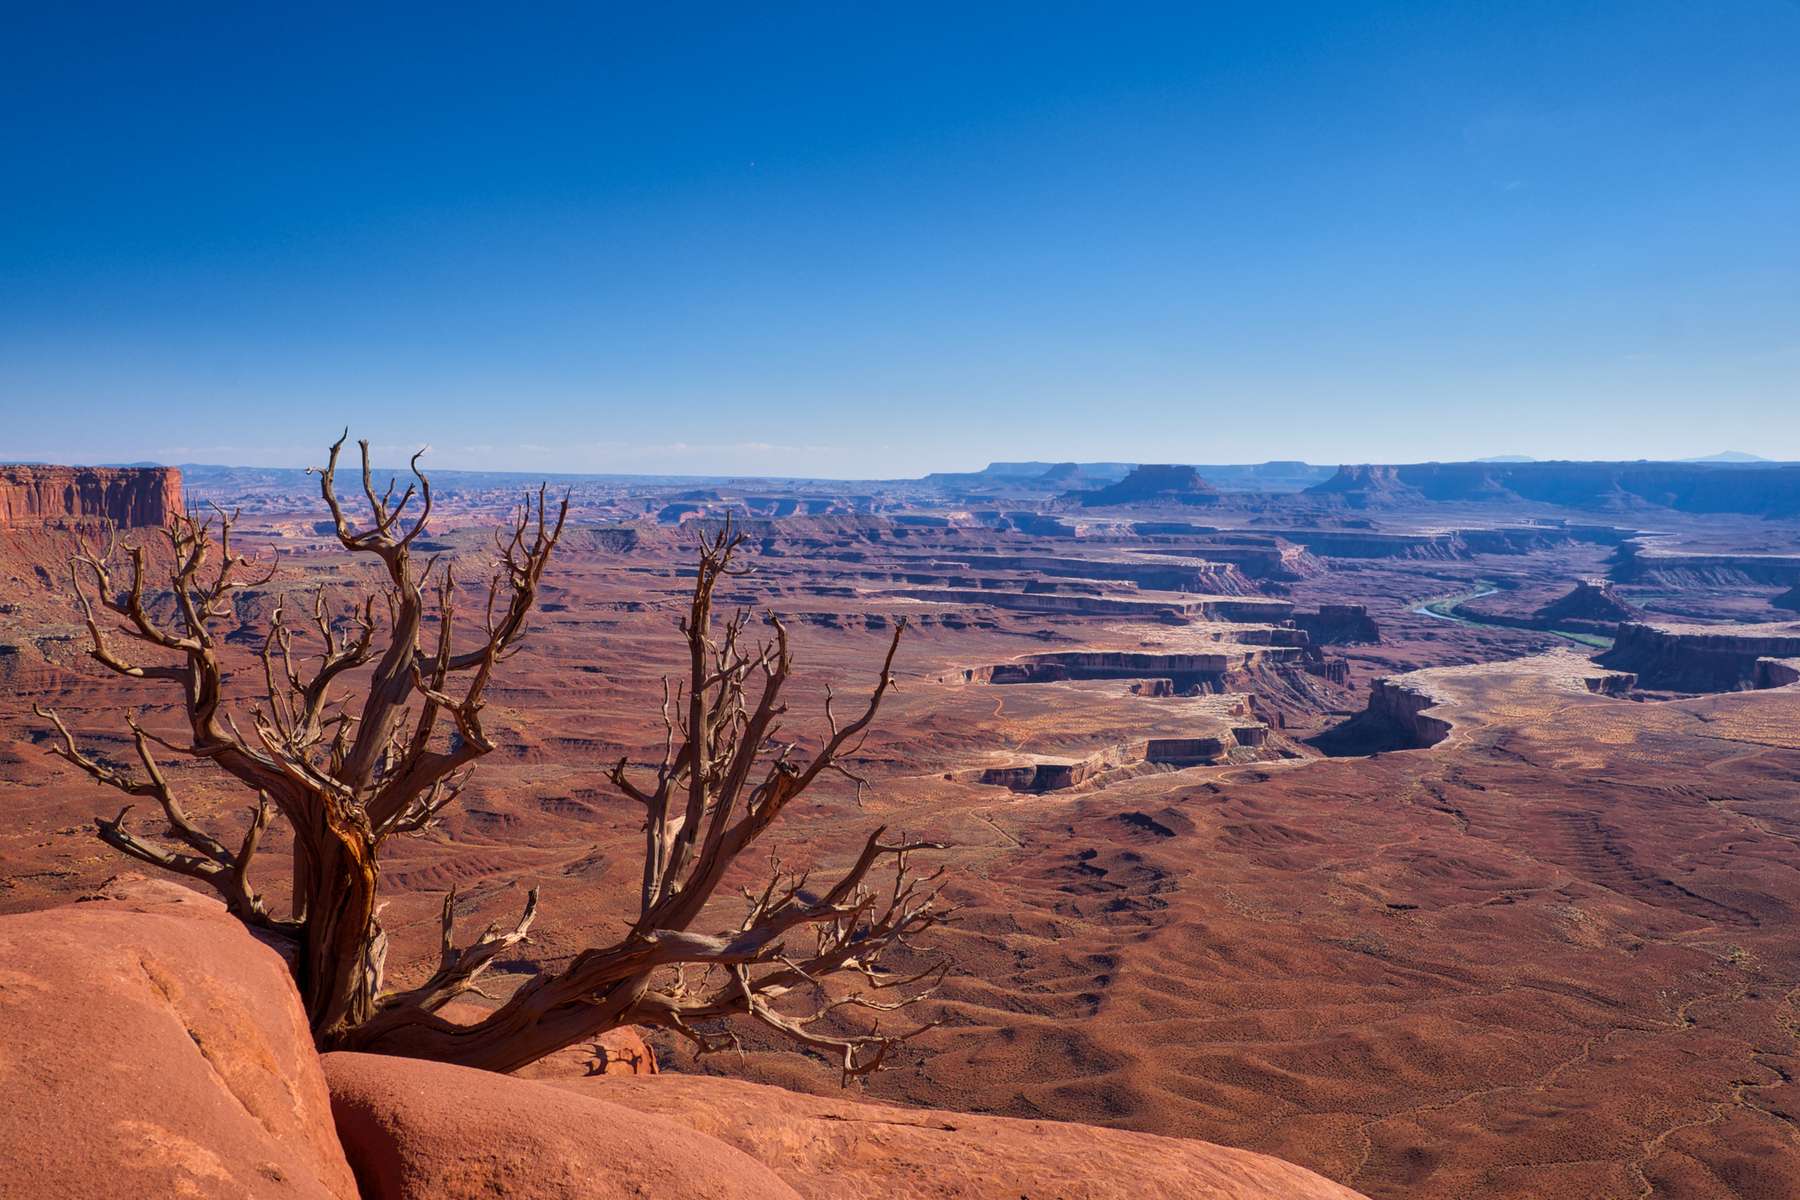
(346, 772)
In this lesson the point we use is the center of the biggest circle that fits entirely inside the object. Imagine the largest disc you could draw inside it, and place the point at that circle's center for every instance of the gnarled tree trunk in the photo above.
(348, 775)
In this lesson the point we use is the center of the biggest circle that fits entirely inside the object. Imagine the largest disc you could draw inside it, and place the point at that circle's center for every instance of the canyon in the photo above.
(1289, 821)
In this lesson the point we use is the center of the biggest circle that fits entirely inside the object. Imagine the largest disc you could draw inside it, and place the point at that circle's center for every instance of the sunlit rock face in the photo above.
(41, 497)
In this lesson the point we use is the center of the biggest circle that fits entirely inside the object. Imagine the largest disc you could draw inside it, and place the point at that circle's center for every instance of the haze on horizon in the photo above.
(813, 242)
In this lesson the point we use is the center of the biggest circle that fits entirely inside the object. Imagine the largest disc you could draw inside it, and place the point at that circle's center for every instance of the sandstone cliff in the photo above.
(1338, 625)
(38, 497)
(1701, 658)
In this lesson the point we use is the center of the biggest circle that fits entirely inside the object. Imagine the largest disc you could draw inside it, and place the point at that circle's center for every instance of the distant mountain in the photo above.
(1507, 458)
(1730, 456)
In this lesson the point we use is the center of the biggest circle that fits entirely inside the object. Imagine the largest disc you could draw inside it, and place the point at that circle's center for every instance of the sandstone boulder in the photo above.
(418, 1130)
(838, 1148)
(150, 1047)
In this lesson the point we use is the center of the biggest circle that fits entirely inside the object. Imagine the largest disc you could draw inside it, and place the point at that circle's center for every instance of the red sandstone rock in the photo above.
(418, 1130)
(150, 1047)
(837, 1148)
(33, 497)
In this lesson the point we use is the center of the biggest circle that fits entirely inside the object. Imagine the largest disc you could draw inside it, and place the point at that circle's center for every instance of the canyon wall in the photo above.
(41, 497)
(1637, 563)
(1337, 625)
(1702, 658)
(1777, 672)
(1449, 545)
(1689, 487)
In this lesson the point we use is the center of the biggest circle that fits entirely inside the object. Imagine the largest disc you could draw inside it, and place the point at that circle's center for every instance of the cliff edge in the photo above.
(49, 497)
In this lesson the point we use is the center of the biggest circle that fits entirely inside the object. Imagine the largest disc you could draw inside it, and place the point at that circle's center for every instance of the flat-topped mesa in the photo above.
(1638, 563)
(1772, 491)
(50, 497)
(1365, 483)
(1337, 624)
(1155, 572)
(1703, 658)
(1188, 674)
(1417, 709)
(1168, 607)
(1258, 556)
(1152, 484)
(1447, 544)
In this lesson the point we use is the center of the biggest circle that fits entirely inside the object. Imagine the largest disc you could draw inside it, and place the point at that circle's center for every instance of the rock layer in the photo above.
(1700, 658)
(37, 497)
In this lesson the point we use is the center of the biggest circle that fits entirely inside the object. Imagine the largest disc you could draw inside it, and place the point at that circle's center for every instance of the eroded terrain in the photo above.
(1446, 847)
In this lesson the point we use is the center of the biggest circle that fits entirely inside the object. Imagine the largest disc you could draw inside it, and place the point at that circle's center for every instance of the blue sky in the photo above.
(842, 240)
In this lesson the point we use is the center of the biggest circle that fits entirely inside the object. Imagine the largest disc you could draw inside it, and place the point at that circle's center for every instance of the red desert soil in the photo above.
(1552, 957)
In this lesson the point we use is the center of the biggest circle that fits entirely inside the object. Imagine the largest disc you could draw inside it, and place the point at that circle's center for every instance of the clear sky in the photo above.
(869, 240)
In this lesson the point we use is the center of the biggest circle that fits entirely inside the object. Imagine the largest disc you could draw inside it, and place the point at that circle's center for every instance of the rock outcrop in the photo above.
(39, 497)
(1149, 484)
(1777, 672)
(1592, 602)
(1663, 567)
(1188, 672)
(416, 1130)
(1338, 625)
(1366, 484)
(1591, 607)
(1419, 709)
(839, 1148)
(150, 1047)
(1701, 658)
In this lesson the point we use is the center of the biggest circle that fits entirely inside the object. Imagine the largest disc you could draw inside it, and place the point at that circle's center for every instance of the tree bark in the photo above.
(340, 967)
